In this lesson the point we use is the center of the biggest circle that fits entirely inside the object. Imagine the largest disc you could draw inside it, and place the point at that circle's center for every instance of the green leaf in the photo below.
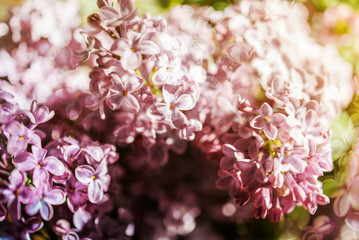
(331, 187)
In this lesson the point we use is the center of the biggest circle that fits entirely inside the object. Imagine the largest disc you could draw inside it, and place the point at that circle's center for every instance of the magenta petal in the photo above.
(130, 104)
(270, 131)
(84, 173)
(55, 197)
(46, 211)
(25, 161)
(341, 205)
(353, 221)
(265, 110)
(54, 166)
(178, 119)
(258, 122)
(95, 191)
(158, 111)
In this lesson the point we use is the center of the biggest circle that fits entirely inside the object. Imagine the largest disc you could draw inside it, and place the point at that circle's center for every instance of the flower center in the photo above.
(133, 50)
(21, 138)
(172, 107)
(267, 119)
(125, 93)
(38, 165)
(93, 177)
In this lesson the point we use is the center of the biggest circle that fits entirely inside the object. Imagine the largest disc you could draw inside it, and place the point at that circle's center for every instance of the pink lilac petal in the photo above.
(130, 104)
(270, 131)
(265, 110)
(258, 122)
(341, 205)
(55, 197)
(178, 119)
(352, 220)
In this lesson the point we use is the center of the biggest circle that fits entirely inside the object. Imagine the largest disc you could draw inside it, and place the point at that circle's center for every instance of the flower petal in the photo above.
(270, 131)
(341, 205)
(84, 173)
(178, 119)
(25, 161)
(130, 104)
(53, 165)
(158, 111)
(55, 197)
(46, 211)
(265, 110)
(95, 191)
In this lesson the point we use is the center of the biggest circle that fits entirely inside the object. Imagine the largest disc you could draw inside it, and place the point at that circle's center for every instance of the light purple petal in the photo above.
(46, 211)
(81, 217)
(130, 104)
(178, 119)
(33, 207)
(17, 178)
(158, 111)
(39, 153)
(114, 101)
(101, 169)
(74, 109)
(84, 173)
(133, 83)
(34, 224)
(270, 131)
(95, 191)
(40, 175)
(131, 60)
(160, 77)
(25, 161)
(53, 165)
(55, 197)
(148, 48)
(265, 110)
(185, 102)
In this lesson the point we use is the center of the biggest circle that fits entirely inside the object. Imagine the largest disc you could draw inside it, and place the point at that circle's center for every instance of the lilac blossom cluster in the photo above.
(247, 86)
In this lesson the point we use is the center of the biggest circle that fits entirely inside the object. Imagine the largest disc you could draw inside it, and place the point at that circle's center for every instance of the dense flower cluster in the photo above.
(246, 86)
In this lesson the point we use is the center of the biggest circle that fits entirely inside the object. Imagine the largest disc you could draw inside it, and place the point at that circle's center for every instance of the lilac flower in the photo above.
(268, 121)
(169, 70)
(176, 100)
(16, 193)
(132, 48)
(97, 180)
(43, 200)
(278, 92)
(121, 94)
(19, 137)
(41, 165)
(41, 112)
(30, 225)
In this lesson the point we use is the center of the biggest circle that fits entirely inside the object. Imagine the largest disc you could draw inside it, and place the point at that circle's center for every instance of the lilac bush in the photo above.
(129, 126)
